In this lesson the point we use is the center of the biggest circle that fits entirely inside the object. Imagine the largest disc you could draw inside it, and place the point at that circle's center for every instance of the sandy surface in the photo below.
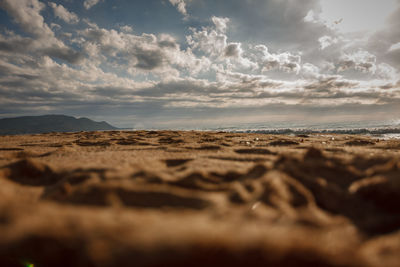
(199, 198)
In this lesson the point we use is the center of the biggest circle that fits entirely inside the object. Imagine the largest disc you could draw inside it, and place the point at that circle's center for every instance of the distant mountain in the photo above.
(50, 123)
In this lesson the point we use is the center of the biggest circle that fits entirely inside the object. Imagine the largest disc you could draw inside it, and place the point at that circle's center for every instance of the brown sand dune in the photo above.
(170, 198)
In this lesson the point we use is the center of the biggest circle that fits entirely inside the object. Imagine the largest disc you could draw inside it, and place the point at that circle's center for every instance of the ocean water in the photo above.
(380, 129)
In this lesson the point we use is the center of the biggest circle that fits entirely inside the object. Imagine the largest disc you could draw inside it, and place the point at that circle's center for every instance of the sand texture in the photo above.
(170, 198)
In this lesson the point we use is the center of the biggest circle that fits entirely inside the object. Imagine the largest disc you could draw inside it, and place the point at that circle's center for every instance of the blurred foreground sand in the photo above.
(171, 198)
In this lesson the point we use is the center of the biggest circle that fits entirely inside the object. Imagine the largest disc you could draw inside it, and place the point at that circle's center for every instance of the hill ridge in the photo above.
(50, 123)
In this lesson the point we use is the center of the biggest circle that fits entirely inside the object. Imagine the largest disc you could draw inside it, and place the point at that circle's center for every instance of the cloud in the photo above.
(285, 61)
(43, 40)
(64, 53)
(181, 7)
(310, 71)
(326, 41)
(213, 42)
(280, 24)
(394, 47)
(27, 14)
(386, 72)
(384, 43)
(126, 29)
(88, 4)
(233, 50)
(221, 24)
(48, 85)
(13, 43)
(160, 55)
(64, 14)
(331, 84)
(210, 40)
(361, 60)
(55, 26)
(148, 59)
(340, 14)
(310, 17)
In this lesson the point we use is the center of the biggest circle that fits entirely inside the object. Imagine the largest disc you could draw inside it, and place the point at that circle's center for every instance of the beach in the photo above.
(197, 198)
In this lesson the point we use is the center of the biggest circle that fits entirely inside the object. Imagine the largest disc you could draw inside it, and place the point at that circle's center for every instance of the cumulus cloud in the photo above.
(310, 71)
(311, 17)
(385, 71)
(361, 60)
(213, 42)
(181, 7)
(43, 41)
(233, 50)
(326, 41)
(144, 53)
(210, 40)
(126, 28)
(221, 24)
(62, 13)
(27, 14)
(88, 4)
(285, 61)
(278, 24)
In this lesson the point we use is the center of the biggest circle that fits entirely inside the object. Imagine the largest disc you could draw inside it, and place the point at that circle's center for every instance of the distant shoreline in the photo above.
(279, 132)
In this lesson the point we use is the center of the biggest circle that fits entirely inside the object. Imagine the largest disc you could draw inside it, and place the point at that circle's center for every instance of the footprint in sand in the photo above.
(256, 151)
(31, 172)
(136, 197)
(176, 162)
(239, 159)
(276, 189)
(283, 143)
(359, 143)
(170, 140)
(92, 143)
(11, 149)
(214, 181)
(27, 154)
(127, 142)
(208, 147)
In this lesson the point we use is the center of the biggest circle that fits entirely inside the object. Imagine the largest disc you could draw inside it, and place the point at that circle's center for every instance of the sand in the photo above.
(171, 198)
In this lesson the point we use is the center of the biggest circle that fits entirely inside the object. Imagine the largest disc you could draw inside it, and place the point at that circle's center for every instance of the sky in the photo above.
(201, 63)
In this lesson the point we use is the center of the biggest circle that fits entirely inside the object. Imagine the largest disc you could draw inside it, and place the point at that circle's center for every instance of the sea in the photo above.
(378, 129)
(389, 129)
